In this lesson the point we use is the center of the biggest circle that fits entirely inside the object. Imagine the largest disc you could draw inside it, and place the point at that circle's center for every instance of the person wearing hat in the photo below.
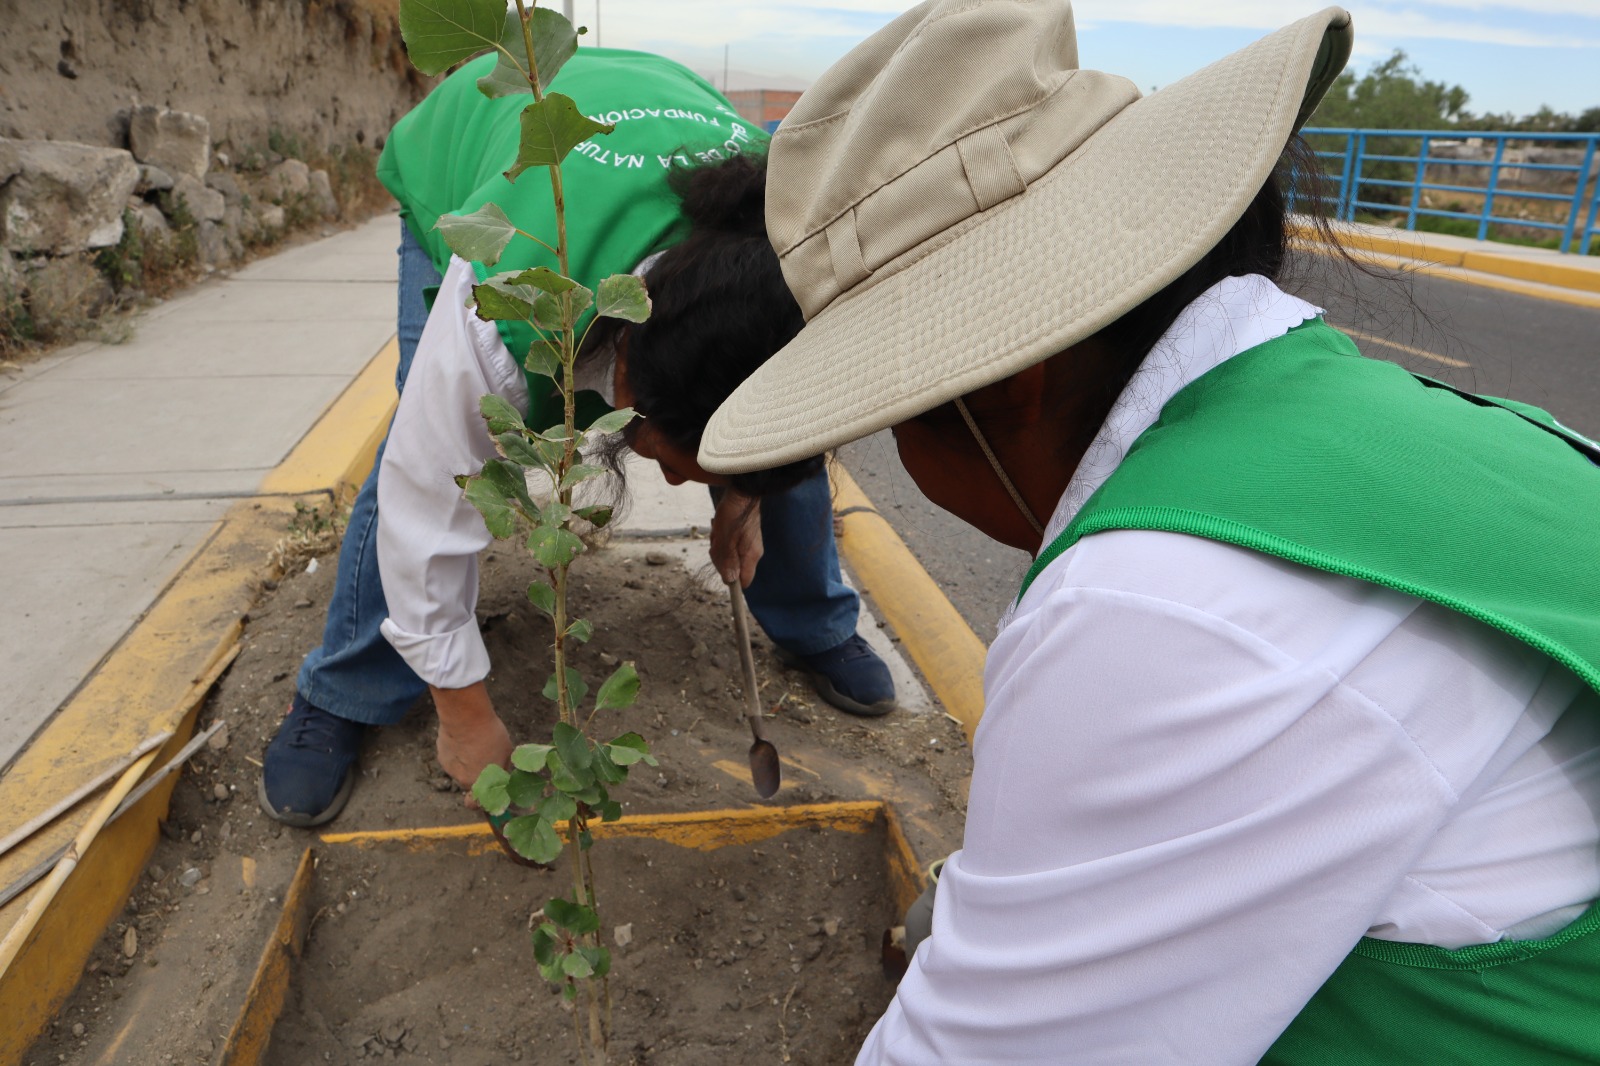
(1291, 750)
(675, 193)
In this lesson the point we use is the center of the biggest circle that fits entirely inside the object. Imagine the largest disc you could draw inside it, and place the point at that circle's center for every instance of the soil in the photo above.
(213, 890)
(743, 955)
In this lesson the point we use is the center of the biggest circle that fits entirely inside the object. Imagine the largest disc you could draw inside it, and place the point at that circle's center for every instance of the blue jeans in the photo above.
(797, 596)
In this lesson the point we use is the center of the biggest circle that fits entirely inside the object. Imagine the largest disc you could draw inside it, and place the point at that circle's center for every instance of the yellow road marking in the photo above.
(1373, 338)
(940, 642)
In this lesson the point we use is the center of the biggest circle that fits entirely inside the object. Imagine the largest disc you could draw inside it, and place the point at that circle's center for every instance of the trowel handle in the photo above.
(741, 634)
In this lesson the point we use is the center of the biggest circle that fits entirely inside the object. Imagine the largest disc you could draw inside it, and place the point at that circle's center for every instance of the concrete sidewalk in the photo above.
(121, 458)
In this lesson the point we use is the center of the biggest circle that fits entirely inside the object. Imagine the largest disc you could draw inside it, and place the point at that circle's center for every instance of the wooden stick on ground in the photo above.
(44, 818)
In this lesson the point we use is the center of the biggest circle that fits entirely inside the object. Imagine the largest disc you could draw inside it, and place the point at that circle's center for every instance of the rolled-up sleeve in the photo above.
(429, 537)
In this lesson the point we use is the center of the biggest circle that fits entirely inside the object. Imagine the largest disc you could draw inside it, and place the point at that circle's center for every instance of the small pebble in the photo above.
(191, 877)
(302, 603)
(607, 659)
(195, 837)
(623, 935)
(219, 739)
(831, 927)
(130, 942)
(77, 1029)
(220, 792)
(156, 872)
(657, 558)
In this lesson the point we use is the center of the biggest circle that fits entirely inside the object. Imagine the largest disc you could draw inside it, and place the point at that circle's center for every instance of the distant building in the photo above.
(765, 106)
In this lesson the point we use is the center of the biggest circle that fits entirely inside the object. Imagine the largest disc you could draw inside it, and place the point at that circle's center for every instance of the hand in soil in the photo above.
(736, 545)
(471, 734)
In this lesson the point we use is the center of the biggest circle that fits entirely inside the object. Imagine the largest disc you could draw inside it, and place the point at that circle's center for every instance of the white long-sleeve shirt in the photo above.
(429, 536)
(1204, 773)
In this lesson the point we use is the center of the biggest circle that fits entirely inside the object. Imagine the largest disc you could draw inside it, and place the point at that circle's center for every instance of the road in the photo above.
(1481, 339)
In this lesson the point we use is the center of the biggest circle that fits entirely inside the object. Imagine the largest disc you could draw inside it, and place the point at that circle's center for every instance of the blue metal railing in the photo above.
(1348, 172)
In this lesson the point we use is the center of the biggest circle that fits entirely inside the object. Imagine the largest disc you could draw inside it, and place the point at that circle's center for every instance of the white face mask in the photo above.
(994, 462)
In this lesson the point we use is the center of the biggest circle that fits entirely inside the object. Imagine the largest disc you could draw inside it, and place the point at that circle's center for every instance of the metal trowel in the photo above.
(765, 772)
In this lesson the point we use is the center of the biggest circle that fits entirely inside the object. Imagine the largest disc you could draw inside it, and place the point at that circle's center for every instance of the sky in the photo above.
(1510, 55)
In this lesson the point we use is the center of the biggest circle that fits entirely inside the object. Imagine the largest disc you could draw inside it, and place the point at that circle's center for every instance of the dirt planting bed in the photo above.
(429, 943)
(747, 954)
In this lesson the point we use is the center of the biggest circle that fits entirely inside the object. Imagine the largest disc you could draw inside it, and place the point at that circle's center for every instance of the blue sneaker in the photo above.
(850, 676)
(310, 766)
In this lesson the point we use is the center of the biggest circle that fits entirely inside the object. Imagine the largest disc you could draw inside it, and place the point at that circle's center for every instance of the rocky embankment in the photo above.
(144, 143)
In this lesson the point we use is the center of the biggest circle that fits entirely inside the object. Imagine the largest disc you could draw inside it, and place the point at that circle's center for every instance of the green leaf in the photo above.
(479, 237)
(490, 789)
(599, 958)
(545, 939)
(585, 840)
(543, 358)
(623, 296)
(609, 811)
(526, 790)
(501, 416)
(569, 991)
(554, 42)
(630, 748)
(441, 33)
(576, 690)
(619, 690)
(554, 513)
(576, 966)
(613, 421)
(516, 447)
(510, 481)
(606, 771)
(551, 128)
(581, 630)
(531, 757)
(573, 917)
(581, 472)
(595, 516)
(544, 279)
(491, 304)
(558, 807)
(542, 596)
(533, 838)
(491, 503)
(573, 782)
(576, 752)
(556, 313)
(554, 547)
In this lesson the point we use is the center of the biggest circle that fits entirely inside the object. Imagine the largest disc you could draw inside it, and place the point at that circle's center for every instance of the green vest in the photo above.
(449, 154)
(1302, 449)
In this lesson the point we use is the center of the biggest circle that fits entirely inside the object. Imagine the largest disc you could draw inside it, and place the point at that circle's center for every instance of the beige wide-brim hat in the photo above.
(955, 200)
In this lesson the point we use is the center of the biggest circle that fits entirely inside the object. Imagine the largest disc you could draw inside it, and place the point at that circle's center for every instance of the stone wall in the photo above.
(144, 142)
(321, 73)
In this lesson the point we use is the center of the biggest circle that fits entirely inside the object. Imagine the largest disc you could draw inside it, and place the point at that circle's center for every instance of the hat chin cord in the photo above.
(994, 463)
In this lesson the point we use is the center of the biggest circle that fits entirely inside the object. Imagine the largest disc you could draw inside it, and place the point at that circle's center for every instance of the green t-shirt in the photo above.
(449, 155)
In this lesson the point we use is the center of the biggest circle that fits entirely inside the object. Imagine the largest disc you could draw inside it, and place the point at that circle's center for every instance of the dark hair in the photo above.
(719, 309)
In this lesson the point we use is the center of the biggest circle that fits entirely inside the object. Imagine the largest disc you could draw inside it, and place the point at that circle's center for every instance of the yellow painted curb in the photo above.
(701, 830)
(1529, 269)
(1580, 274)
(940, 642)
(154, 680)
(269, 989)
(1487, 281)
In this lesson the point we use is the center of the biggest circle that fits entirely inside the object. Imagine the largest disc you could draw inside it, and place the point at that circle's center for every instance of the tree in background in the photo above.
(1392, 95)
